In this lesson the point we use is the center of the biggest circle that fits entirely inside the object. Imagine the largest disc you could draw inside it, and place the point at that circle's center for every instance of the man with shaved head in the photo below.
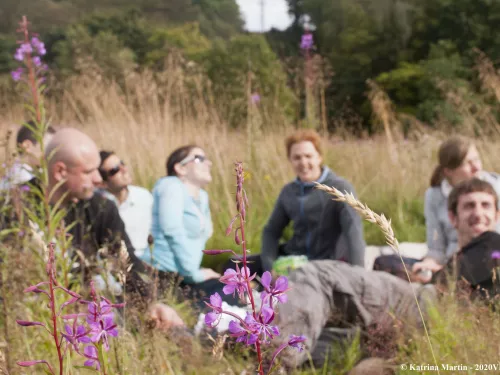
(73, 157)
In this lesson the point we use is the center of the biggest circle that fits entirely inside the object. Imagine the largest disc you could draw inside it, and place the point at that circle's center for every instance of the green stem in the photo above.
(102, 358)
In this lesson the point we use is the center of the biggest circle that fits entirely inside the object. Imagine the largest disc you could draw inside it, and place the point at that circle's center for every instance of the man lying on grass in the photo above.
(328, 293)
(472, 209)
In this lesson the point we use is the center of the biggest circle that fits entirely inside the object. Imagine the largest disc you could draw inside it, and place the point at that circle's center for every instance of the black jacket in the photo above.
(94, 224)
(476, 263)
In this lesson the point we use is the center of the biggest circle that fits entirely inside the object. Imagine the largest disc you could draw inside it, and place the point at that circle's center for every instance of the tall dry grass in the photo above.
(145, 117)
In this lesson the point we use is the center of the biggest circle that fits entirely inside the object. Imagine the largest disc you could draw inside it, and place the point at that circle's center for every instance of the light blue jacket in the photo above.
(181, 227)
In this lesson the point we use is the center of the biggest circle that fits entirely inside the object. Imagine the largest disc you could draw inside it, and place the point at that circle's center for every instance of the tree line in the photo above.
(416, 51)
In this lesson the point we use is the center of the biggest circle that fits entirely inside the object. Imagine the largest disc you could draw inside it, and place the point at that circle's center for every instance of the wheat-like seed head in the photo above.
(385, 225)
(366, 213)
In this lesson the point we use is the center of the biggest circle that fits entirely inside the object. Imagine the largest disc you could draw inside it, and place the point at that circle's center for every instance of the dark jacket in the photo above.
(477, 264)
(320, 224)
(94, 224)
(97, 224)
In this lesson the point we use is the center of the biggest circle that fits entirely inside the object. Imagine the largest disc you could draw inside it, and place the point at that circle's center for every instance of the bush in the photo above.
(247, 60)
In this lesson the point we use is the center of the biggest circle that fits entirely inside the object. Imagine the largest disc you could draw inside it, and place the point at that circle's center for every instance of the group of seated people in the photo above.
(166, 230)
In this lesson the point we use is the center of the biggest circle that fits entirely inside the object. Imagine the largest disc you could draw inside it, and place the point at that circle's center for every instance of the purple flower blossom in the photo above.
(253, 329)
(97, 313)
(297, 342)
(90, 352)
(17, 74)
(235, 281)
(241, 334)
(263, 328)
(306, 42)
(37, 61)
(212, 318)
(100, 331)
(495, 254)
(275, 292)
(25, 188)
(76, 334)
(19, 55)
(39, 46)
(255, 98)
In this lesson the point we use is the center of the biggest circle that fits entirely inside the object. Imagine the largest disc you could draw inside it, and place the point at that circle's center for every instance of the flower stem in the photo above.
(54, 316)
(102, 358)
(249, 288)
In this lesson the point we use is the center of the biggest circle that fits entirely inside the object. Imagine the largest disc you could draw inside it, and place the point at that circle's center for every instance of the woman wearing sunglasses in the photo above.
(181, 220)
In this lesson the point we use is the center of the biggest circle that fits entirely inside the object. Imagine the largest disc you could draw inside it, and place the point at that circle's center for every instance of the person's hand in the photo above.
(165, 317)
(421, 270)
(209, 273)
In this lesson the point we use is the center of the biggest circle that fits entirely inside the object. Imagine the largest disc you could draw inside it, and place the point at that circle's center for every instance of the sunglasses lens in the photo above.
(116, 169)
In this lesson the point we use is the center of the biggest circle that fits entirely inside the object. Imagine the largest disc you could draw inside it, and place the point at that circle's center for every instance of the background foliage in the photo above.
(410, 48)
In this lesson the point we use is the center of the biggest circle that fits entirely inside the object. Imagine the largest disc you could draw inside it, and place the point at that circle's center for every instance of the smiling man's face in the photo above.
(476, 213)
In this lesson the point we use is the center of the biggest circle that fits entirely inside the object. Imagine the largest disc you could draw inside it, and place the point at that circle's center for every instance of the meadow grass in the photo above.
(143, 124)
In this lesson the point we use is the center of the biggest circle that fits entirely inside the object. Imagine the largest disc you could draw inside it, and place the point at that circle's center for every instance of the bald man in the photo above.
(73, 160)
(92, 220)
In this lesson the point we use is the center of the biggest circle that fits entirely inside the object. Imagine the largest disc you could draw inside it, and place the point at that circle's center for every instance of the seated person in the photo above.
(322, 228)
(135, 203)
(326, 292)
(92, 221)
(182, 222)
(459, 160)
(30, 154)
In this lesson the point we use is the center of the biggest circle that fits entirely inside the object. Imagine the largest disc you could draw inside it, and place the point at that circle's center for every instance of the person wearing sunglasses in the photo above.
(135, 203)
(182, 221)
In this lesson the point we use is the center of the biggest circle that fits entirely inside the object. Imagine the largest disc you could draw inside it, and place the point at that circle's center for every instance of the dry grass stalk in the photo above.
(490, 80)
(385, 225)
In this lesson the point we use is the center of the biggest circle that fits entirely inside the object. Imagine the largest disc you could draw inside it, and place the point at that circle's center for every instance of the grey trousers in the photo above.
(332, 293)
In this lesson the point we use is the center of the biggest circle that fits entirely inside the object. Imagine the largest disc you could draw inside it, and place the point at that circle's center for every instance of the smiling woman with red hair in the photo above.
(322, 228)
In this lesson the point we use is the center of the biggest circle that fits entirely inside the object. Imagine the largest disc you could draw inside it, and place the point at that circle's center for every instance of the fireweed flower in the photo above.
(76, 334)
(17, 74)
(100, 332)
(27, 50)
(212, 318)
(37, 61)
(90, 352)
(274, 292)
(236, 281)
(495, 254)
(306, 42)
(255, 98)
(96, 312)
(38, 45)
(241, 334)
(254, 330)
(100, 318)
(297, 342)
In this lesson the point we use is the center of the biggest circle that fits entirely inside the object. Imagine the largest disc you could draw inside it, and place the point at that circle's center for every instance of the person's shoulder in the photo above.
(488, 239)
(101, 201)
(140, 192)
(168, 182)
(434, 194)
(333, 180)
(493, 178)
